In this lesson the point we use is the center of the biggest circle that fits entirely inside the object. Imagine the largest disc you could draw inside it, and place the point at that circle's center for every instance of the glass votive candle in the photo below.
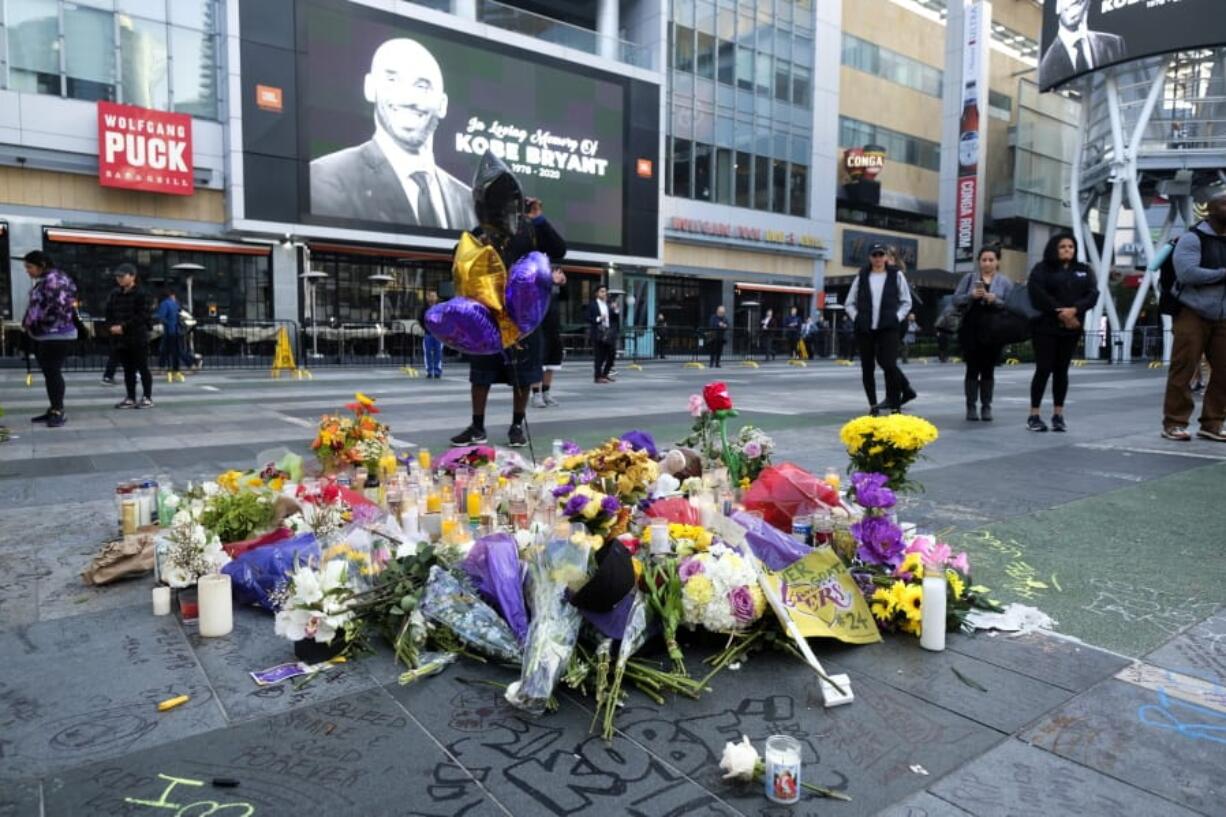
(782, 769)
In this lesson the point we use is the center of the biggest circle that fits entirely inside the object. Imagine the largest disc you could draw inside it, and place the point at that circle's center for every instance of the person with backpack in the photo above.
(127, 321)
(50, 322)
(1063, 290)
(1198, 264)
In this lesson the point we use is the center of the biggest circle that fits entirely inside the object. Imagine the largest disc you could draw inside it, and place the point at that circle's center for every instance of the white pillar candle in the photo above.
(660, 544)
(932, 621)
(216, 605)
(161, 601)
(408, 519)
(432, 526)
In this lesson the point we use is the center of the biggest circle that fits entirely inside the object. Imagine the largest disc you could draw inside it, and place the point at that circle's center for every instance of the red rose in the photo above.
(717, 397)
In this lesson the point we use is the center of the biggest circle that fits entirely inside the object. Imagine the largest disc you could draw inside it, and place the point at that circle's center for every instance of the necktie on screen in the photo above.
(426, 215)
(1082, 64)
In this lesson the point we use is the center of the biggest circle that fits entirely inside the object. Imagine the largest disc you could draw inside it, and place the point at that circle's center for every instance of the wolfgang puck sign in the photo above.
(143, 149)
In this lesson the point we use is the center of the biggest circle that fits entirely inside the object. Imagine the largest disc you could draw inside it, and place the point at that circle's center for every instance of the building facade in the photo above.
(689, 149)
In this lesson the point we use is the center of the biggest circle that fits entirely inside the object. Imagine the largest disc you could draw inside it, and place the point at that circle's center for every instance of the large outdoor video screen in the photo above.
(394, 115)
(1080, 36)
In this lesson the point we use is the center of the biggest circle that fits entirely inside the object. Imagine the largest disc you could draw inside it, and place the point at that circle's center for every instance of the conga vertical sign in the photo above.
(970, 133)
(143, 149)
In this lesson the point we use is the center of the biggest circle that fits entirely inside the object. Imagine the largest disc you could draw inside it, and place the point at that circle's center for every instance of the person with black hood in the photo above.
(1063, 290)
(127, 322)
(514, 226)
(979, 294)
(877, 304)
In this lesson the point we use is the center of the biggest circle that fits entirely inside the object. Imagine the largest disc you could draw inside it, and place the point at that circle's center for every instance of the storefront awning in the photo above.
(794, 290)
(155, 242)
(381, 252)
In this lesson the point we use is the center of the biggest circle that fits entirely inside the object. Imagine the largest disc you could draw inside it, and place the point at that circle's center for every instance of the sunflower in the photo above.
(956, 585)
(911, 602)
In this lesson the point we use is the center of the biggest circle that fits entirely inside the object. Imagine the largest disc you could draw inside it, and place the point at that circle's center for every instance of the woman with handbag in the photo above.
(981, 296)
(1062, 290)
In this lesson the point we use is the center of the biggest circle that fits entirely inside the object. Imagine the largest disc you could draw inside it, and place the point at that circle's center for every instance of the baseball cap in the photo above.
(125, 269)
(877, 247)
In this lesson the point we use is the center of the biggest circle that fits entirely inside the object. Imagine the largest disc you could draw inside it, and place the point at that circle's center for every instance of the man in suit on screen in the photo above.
(1076, 49)
(392, 177)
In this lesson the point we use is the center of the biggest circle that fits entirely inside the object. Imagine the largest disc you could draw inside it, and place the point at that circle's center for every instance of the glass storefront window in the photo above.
(702, 171)
(89, 53)
(194, 62)
(142, 48)
(234, 285)
(149, 9)
(726, 62)
(723, 176)
(683, 48)
(761, 183)
(6, 290)
(681, 168)
(800, 87)
(798, 190)
(744, 171)
(705, 62)
(33, 29)
(779, 176)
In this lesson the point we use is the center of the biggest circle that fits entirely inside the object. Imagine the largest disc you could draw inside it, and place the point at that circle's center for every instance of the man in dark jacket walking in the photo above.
(718, 334)
(877, 304)
(602, 326)
(127, 322)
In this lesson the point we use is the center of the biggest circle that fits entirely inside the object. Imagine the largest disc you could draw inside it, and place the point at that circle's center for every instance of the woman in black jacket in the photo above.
(979, 295)
(127, 322)
(1062, 289)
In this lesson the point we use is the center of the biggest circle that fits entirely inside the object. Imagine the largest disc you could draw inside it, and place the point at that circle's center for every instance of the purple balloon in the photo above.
(465, 325)
(529, 288)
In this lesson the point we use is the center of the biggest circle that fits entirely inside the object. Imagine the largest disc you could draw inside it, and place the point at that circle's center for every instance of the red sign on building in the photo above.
(143, 149)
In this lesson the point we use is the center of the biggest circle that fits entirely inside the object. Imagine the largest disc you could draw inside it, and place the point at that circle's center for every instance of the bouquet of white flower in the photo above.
(188, 550)
(316, 604)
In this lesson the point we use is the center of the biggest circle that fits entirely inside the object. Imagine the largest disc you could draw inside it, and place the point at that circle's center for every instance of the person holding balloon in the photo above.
(503, 275)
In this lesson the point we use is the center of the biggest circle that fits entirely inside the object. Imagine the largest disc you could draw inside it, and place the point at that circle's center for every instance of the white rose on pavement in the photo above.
(740, 760)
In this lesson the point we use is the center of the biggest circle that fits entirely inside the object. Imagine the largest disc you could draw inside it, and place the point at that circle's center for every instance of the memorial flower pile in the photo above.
(317, 602)
(744, 454)
(323, 510)
(887, 445)
(358, 440)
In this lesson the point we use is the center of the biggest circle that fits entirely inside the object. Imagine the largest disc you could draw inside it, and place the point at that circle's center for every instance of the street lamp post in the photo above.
(311, 277)
(381, 280)
(189, 270)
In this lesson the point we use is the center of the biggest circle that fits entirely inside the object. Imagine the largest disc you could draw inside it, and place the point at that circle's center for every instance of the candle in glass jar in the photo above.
(423, 458)
(434, 502)
(473, 503)
(216, 607)
(782, 769)
(161, 601)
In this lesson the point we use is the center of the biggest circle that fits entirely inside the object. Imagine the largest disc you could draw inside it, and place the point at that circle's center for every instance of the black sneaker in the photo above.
(145, 402)
(56, 419)
(42, 418)
(1035, 423)
(126, 403)
(516, 438)
(908, 396)
(108, 381)
(469, 436)
(1057, 423)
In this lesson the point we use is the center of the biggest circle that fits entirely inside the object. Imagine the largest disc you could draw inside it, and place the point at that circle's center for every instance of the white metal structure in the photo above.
(1151, 127)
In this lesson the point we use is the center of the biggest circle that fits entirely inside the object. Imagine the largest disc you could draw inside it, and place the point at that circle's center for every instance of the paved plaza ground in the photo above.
(1114, 532)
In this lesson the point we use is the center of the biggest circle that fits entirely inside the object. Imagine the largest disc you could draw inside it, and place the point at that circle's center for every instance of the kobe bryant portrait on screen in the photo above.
(1075, 49)
(392, 177)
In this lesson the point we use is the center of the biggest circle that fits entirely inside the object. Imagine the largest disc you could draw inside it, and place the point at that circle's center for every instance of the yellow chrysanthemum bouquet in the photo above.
(887, 445)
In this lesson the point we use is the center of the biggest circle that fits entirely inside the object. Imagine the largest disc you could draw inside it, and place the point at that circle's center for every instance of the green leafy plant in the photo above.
(235, 517)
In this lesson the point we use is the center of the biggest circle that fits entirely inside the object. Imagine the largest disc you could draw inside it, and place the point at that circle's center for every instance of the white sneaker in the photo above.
(538, 400)
(549, 401)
